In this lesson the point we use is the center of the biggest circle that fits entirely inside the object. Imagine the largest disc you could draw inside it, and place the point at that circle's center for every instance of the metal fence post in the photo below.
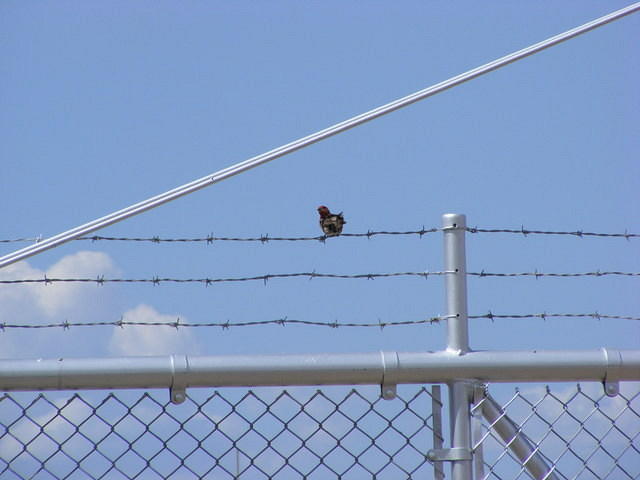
(454, 229)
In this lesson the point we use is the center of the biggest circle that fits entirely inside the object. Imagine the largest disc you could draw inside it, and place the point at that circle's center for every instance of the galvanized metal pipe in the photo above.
(305, 141)
(316, 369)
(454, 230)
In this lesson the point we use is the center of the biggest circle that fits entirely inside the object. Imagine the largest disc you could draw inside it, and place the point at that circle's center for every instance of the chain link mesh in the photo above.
(230, 433)
(578, 431)
(308, 434)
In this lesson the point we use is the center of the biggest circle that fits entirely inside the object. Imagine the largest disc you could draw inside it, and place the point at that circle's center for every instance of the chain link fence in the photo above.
(224, 434)
(304, 433)
(577, 430)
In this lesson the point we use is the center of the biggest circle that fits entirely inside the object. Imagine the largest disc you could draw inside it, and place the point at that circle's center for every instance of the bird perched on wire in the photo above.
(331, 223)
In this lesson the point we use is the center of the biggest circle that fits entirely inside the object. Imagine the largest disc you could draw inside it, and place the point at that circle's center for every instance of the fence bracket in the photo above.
(389, 392)
(390, 365)
(449, 454)
(612, 377)
(178, 390)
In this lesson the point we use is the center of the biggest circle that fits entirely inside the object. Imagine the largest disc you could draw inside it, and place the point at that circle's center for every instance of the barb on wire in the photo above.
(17, 240)
(66, 325)
(575, 233)
(156, 280)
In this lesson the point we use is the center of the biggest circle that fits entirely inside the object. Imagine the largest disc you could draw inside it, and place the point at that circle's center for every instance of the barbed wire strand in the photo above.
(576, 233)
(209, 239)
(287, 321)
(157, 280)
(227, 324)
(262, 238)
(544, 316)
(538, 274)
(208, 281)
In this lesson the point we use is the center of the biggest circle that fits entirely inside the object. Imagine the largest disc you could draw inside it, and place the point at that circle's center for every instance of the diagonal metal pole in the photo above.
(513, 437)
(306, 141)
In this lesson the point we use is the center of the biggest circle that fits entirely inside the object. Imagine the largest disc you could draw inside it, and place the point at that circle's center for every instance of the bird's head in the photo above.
(323, 211)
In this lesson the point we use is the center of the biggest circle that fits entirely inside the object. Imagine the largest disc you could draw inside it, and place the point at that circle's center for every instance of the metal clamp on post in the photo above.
(449, 454)
(178, 390)
(611, 381)
(390, 364)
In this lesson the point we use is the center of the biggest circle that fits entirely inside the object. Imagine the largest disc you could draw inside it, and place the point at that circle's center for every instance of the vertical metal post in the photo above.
(454, 229)
(438, 439)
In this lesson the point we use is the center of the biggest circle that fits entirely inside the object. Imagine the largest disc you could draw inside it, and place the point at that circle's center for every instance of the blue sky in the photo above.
(106, 104)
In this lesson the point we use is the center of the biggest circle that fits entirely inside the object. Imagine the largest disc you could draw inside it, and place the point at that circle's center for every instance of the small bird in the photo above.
(331, 223)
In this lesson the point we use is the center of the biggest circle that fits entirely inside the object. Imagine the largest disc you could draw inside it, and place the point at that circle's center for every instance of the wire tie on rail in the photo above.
(543, 316)
(155, 239)
(334, 324)
(176, 324)
(265, 278)
(39, 238)
(120, 323)
(369, 234)
(210, 239)
(46, 280)
(473, 229)
(155, 280)
(207, 282)
(626, 234)
(66, 325)
(422, 231)
(100, 280)
(225, 326)
(2, 325)
(482, 273)
(382, 325)
(523, 231)
(264, 238)
(537, 275)
(490, 316)
(282, 321)
(579, 233)
(596, 315)
(312, 275)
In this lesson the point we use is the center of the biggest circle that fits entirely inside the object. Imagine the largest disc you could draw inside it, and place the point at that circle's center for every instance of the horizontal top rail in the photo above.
(373, 368)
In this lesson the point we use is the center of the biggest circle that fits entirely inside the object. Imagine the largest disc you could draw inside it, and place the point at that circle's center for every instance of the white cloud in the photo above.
(56, 302)
(151, 340)
(39, 303)
(37, 300)
(58, 298)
